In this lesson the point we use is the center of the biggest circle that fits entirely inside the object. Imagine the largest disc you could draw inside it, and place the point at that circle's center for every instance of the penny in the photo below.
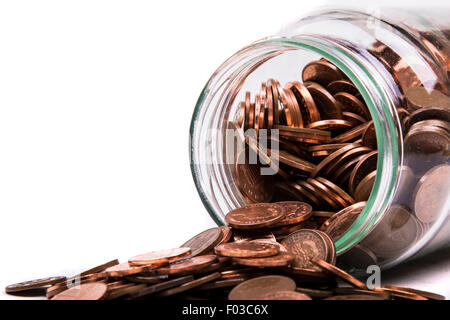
(147, 279)
(100, 267)
(159, 256)
(293, 161)
(339, 223)
(313, 199)
(342, 86)
(280, 260)
(33, 284)
(325, 149)
(187, 266)
(308, 108)
(353, 118)
(206, 241)
(350, 103)
(323, 214)
(426, 294)
(304, 134)
(330, 124)
(369, 137)
(87, 291)
(400, 293)
(419, 97)
(190, 285)
(253, 235)
(285, 192)
(241, 113)
(431, 193)
(338, 272)
(321, 71)
(247, 249)
(296, 212)
(254, 216)
(226, 235)
(232, 282)
(270, 105)
(159, 287)
(256, 288)
(366, 165)
(125, 269)
(331, 158)
(274, 84)
(305, 244)
(337, 190)
(327, 105)
(364, 188)
(74, 281)
(350, 135)
(350, 154)
(247, 111)
(429, 113)
(355, 291)
(124, 290)
(285, 295)
(327, 195)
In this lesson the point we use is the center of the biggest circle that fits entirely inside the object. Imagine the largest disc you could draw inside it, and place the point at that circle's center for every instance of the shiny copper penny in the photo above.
(346, 157)
(326, 194)
(331, 124)
(332, 158)
(187, 266)
(338, 272)
(247, 111)
(33, 284)
(327, 105)
(342, 86)
(123, 290)
(308, 108)
(160, 255)
(304, 134)
(305, 244)
(100, 267)
(439, 113)
(337, 190)
(295, 108)
(256, 288)
(352, 104)
(364, 188)
(87, 291)
(366, 165)
(274, 84)
(354, 118)
(254, 216)
(342, 174)
(296, 211)
(125, 269)
(285, 295)
(206, 241)
(247, 249)
(293, 161)
(350, 135)
(241, 113)
(322, 72)
(431, 194)
(280, 260)
(369, 137)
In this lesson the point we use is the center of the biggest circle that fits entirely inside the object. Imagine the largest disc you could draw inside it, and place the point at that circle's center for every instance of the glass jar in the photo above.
(399, 60)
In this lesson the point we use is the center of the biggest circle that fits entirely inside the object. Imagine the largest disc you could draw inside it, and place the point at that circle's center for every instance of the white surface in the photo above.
(95, 105)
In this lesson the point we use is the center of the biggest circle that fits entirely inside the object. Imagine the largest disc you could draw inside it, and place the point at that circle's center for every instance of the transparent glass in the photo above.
(384, 55)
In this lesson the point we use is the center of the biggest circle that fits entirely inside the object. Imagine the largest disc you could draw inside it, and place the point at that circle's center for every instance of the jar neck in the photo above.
(215, 105)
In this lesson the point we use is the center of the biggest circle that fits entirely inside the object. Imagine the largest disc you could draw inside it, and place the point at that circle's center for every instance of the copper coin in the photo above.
(190, 285)
(285, 295)
(431, 123)
(286, 230)
(206, 241)
(274, 84)
(356, 291)
(124, 290)
(253, 235)
(296, 211)
(226, 235)
(400, 293)
(339, 223)
(328, 196)
(284, 191)
(341, 175)
(74, 281)
(308, 108)
(254, 216)
(342, 86)
(332, 158)
(366, 165)
(251, 116)
(33, 284)
(295, 108)
(323, 214)
(426, 294)
(305, 244)
(241, 113)
(159, 287)
(354, 118)
(350, 135)
(293, 161)
(439, 113)
(369, 137)
(226, 283)
(364, 188)
(325, 149)
(350, 154)
(304, 134)
(280, 260)
(431, 194)
(419, 97)
(330, 124)
(258, 107)
(100, 267)
(87, 291)
(147, 279)
(254, 186)
(327, 105)
(338, 272)
(247, 249)
(187, 266)
(352, 104)
(321, 71)
(160, 255)
(355, 297)
(256, 288)
(311, 197)
(247, 111)
(270, 102)
(125, 269)
(337, 190)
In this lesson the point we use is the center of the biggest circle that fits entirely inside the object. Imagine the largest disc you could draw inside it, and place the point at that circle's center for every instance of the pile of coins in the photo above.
(241, 261)
(325, 152)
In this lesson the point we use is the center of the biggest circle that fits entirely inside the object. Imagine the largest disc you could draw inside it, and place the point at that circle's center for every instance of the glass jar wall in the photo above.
(399, 64)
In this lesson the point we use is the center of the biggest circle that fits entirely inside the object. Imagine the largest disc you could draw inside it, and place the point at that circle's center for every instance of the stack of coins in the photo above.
(242, 261)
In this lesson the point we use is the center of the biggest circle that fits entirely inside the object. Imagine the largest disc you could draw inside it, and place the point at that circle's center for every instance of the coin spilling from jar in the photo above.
(255, 257)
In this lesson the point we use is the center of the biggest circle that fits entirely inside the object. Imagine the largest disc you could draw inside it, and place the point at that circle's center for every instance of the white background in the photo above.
(95, 105)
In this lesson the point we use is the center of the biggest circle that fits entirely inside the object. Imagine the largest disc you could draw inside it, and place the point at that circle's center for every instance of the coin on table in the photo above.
(338, 272)
(87, 291)
(159, 255)
(340, 222)
(354, 118)
(125, 269)
(247, 249)
(187, 266)
(206, 241)
(256, 288)
(280, 260)
(254, 216)
(431, 195)
(305, 244)
(159, 287)
(293, 161)
(100, 267)
(285, 295)
(400, 293)
(190, 285)
(296, 211)
(34, 284)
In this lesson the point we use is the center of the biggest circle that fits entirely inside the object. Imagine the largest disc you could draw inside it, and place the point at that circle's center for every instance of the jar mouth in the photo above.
(210, 179)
